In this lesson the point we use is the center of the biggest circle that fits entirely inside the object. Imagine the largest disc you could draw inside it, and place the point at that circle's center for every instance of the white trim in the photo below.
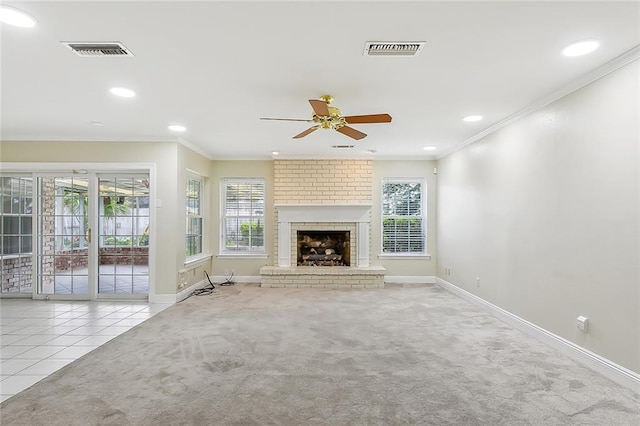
(604, 366)
(242, 255)
(218, 279)
(423, 201)
(201, 258)
(194, 177)
(614, 64)
(222, 252)
(411, 256)
(410, 279)
(195, 148)
(362, 236)
(101, 168)
(162, 298)
(323, 212)
(327, 213)
(179, 297)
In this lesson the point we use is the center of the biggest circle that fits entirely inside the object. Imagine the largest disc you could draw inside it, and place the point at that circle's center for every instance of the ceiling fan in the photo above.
(326, 116)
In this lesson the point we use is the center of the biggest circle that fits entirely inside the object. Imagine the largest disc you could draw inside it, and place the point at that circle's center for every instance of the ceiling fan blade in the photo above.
(351, 132)
(319, 107)
(306, 132)
(287, 119)
(369, 118)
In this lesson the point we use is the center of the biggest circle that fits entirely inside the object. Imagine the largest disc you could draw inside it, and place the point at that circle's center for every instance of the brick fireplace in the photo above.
(326, 198)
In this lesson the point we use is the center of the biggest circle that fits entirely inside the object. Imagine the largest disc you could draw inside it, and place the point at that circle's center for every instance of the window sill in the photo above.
(200, 258)
(243, 255)
(411, 256)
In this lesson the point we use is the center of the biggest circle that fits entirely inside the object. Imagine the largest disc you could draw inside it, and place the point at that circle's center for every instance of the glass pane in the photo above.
(10, 224)
(123, 234)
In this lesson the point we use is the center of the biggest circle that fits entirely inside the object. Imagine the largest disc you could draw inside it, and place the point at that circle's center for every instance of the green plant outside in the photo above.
(401, 226)
(255, 232)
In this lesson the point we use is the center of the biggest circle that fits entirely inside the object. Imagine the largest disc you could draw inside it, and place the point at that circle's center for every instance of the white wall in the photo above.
(546, 213)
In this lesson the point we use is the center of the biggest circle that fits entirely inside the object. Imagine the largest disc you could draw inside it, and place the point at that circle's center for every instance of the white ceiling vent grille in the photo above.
(393, 48)
(342, 146)
(98, 49)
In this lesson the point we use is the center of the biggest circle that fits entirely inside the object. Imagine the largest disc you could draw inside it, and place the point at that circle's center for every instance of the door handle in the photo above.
(88, 236)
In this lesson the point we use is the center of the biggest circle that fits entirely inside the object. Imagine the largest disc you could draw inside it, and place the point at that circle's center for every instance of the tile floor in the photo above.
(39, 337)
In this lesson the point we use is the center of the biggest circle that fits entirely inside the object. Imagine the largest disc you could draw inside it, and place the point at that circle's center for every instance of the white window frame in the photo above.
(223, 252)
(423, 217)
(190, 216)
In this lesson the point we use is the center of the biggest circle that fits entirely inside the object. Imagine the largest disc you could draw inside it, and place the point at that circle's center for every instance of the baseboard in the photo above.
(162, 298)
(187, 291)
(607, 368)
(410, 279)
(180, 296)
(217, 279)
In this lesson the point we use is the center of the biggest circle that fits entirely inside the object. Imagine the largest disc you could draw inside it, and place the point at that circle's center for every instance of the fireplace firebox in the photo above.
(323, 248)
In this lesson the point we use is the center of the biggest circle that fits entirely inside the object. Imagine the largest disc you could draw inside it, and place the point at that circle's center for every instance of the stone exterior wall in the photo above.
(17, 274)
(124, 255)
(48, 229)
(71, 258)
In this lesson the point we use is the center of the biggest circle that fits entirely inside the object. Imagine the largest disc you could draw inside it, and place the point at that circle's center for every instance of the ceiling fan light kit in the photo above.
(325, 116)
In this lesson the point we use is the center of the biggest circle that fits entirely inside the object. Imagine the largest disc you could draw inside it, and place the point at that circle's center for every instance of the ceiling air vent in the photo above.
(393, 48)
(98, 49)
(342, 146)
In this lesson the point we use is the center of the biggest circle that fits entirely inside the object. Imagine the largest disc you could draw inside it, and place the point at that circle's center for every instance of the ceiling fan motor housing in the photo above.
(332, 121)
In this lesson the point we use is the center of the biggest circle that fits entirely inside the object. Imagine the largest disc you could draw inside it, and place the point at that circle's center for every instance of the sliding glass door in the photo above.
(123, 235)
(76, 262)
(64, 236)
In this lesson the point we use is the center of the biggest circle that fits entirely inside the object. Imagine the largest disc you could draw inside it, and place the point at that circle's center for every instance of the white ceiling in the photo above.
(217, 67)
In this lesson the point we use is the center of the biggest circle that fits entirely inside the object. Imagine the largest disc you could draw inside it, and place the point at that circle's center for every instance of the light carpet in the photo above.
(402, 355)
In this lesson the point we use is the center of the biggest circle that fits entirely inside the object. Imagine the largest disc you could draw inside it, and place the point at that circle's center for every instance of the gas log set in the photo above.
(323, 248)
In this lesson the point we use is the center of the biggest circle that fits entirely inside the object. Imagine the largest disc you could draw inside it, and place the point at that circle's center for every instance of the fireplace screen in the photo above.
(323, 248)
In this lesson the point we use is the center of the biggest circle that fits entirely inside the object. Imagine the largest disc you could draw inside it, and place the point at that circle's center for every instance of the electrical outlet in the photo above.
(582, 323)
(477, 281)
(226, 272)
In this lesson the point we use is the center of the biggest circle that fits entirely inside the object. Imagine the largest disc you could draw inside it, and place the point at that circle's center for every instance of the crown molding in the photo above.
(613, 65)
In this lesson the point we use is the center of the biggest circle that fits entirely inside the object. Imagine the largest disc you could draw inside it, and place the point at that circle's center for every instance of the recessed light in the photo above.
(177, 128)
(580, 48)
(16, 18)
(122, 92)
(430, 148)
(471, 118)
(275, 152)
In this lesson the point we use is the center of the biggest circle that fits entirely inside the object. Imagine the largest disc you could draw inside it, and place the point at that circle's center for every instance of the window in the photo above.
(243, 216)
(16, 208)
(194, 216)
(17, 200)
(403, 216)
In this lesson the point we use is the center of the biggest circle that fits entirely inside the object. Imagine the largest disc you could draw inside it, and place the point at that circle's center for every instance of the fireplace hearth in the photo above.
(323, 248)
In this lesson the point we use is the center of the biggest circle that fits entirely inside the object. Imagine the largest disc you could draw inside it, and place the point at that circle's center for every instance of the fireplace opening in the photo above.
(323, 248)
